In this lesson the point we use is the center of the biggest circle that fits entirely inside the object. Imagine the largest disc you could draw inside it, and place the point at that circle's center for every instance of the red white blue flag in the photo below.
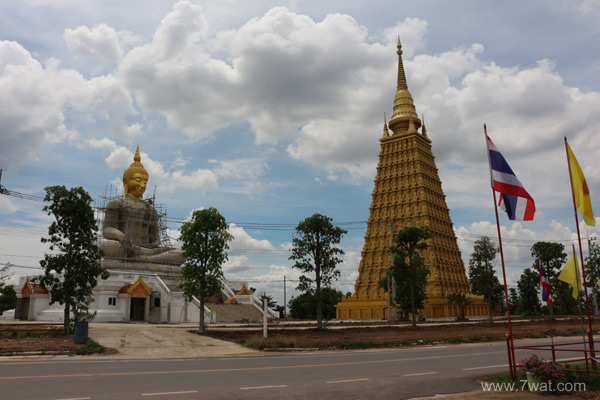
(545, 284)
(514, 199)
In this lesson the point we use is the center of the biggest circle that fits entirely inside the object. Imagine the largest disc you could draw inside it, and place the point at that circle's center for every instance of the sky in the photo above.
(272, 111)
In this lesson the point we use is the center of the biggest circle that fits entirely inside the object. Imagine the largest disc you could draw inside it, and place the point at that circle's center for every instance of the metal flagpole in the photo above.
(511, 354)
(587, 304)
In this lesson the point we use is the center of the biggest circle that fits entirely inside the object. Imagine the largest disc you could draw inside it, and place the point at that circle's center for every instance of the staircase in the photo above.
(235, 313)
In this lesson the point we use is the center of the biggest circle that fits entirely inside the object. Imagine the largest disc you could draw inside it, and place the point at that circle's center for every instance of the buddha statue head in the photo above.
(135, 177)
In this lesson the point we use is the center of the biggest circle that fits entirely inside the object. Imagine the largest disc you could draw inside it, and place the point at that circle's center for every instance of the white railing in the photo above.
(164, 289)
(227, 290)
(257, 303)
(208, 315)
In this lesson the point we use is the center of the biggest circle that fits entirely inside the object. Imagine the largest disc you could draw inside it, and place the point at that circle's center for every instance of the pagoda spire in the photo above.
(402, 85)
(405, 119)
(386, 133)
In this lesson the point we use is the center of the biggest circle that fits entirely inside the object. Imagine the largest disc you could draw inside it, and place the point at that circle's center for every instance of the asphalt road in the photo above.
(381, 374)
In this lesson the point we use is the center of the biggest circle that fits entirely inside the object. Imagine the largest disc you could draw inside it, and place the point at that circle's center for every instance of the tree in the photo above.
(407, 243)
(592, 268)
(270, 302)
(72, 271)
(554, 258)
(461, 300)
(401, 276)
(205, 239)
(482, 275)
(529, 290)
(315, 253)
(8, 296)
(513, 301)
(305, 305)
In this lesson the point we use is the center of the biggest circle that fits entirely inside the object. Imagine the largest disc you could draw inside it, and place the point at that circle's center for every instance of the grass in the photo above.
(91, 347)
(24, 334)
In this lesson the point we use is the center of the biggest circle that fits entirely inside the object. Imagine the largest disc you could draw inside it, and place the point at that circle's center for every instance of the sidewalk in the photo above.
(161, 341)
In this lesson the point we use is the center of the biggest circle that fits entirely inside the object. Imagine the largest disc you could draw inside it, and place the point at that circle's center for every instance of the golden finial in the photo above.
(386, 133)
(423, 129)
(137, 157)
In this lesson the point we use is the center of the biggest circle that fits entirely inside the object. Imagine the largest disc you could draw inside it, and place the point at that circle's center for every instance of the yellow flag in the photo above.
(570, 274)
(580, 189)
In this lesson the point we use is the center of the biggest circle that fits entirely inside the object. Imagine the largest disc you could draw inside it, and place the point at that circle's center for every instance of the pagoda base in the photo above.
(437, 306)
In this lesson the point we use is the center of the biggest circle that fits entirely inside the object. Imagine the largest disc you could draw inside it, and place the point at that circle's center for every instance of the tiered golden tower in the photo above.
(408, 192)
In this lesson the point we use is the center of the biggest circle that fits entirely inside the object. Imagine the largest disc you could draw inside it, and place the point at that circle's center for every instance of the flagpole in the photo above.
(587, 304)
(511, 359)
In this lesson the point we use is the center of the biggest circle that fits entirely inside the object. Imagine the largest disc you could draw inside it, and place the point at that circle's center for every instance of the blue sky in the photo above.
(272, 111)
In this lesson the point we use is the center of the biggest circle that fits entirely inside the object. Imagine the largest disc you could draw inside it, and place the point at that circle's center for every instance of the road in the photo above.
(382, 374)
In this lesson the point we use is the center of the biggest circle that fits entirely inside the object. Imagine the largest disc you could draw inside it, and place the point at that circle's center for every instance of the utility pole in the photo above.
(284, 298)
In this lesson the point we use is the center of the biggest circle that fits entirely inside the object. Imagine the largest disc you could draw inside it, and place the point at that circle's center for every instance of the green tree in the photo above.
(272, 304)
(71, 272)
(401, 276)
(553, 258)
(529, 290)
(461, 300)
(409, 265)
(315, 253)
(482, 275)
(592, 268)
(513, 301)
(305, 305)
(8, 298)
(205, 239)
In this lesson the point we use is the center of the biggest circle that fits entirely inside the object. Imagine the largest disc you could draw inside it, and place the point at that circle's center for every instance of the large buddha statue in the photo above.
(130, 228)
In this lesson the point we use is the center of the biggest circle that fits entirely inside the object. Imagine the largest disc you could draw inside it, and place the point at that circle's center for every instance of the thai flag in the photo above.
(514, 199)
(545, 284)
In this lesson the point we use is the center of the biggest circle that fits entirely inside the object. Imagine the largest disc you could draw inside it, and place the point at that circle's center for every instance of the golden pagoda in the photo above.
(408, 192)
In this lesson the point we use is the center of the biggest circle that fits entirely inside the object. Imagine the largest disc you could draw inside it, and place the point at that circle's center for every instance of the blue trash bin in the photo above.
(81, 332)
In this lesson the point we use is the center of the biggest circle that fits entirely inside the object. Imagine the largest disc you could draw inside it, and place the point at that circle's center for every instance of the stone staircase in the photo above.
(235, 312)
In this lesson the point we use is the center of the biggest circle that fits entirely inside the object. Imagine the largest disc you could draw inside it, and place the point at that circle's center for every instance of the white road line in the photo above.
(487, 366)
(506, 365)
(349, 380)
(78, 398)
(166, 393)
(422, 373)
(263, 387)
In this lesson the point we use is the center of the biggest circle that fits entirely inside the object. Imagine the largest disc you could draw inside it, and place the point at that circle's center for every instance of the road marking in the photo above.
(263, 387)
(349, 380)
(78, 398)
(506, 365)
(487, 366)
(422, 373)
(166, 393)
(199, 371)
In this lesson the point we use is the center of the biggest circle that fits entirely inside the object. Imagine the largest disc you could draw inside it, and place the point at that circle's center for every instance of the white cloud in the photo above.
(100, 42)
(236, 264)
(104, 143)
(32, 99)
(244, 242)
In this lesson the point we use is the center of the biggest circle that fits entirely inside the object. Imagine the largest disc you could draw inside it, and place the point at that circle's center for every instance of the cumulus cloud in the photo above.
(32, 99)
(244, 242)
(100, 42)
(235, 265)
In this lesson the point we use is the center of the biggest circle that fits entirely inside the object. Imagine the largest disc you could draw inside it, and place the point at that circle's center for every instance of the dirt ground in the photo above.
(338, 335)
(394, 336)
